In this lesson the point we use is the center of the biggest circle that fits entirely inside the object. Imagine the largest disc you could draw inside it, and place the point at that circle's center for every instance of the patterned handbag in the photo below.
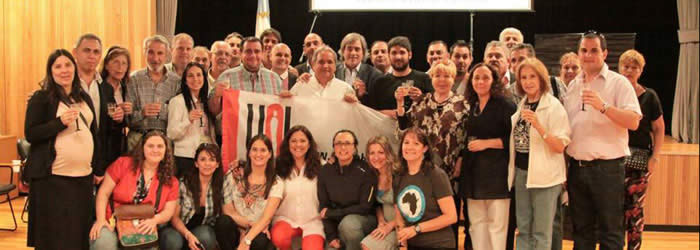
(127, 218)
(638, 159)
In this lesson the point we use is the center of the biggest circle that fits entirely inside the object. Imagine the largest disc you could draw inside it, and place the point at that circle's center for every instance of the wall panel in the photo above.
(34, 28)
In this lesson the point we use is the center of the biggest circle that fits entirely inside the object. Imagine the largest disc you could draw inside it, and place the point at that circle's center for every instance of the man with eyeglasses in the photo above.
(311, 42)
(220, 61)
(602, 106)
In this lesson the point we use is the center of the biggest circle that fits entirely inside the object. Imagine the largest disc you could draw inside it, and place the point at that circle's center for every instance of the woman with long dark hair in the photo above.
(203, 194)
(135, 179)
(485, 158)
(257, 193)
(424, 206)
(298, 165)
(115, 72)
(189, 121)
(61, 128)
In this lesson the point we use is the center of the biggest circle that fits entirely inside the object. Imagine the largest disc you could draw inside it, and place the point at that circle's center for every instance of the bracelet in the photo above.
(545, 135)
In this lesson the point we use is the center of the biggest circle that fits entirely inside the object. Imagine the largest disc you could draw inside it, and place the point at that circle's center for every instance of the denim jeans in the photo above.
(171, 239)
(353, 228)
(535, 209)
(597, 199)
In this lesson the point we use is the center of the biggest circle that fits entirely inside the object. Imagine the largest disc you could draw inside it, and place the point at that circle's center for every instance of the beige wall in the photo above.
(34, 28)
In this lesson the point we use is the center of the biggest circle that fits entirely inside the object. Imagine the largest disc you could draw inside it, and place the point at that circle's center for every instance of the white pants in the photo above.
(489, 223)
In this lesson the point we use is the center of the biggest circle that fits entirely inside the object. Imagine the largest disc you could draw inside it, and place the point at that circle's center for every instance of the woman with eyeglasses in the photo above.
(189, 121)
(346, 190)
(485, 159)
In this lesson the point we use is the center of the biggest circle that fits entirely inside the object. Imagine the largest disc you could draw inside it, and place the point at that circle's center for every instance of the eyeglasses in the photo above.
(343, 144)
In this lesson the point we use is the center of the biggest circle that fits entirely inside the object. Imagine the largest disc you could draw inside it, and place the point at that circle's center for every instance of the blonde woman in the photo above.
(383, 161)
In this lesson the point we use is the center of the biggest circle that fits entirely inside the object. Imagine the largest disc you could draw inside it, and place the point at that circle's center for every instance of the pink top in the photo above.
(125, 179)
(593, 134)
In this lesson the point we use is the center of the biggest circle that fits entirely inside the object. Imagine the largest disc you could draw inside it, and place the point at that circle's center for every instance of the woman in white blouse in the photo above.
(298, 165)
(189, 121)
(540, 132)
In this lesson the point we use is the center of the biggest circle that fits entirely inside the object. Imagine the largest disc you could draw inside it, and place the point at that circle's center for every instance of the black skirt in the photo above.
(61, 212)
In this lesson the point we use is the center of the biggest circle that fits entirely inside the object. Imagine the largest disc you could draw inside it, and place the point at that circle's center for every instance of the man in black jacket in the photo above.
(87, 53)
(353, 70)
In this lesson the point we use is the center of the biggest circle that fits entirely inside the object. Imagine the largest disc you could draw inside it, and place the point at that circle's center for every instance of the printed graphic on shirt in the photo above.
(411, 203)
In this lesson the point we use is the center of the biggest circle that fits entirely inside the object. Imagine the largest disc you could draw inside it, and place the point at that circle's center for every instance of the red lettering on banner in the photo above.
(275, 111)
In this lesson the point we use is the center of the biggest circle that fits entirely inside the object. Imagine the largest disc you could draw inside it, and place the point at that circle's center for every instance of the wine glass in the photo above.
(76, 107)
(585, 86)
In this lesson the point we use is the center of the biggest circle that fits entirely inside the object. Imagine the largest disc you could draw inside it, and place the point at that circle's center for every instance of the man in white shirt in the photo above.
(602, 106)
(324, 84)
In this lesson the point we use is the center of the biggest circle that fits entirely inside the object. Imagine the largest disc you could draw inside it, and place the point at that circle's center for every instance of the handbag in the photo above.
(638, 159)
(127, 218)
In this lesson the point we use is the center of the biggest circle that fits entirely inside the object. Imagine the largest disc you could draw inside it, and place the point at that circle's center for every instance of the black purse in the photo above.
(638, 159)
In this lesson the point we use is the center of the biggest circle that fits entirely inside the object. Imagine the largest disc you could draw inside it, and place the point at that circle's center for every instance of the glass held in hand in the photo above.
(76, 107)
(584, 87)
(111, 108)
(156, 105)
(199, 107)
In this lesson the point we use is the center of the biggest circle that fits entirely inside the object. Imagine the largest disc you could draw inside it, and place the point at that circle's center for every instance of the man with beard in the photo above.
(150, 90)
(352, 70)
(234, 40)
(379, 56)
(382, 92)
(311, 42)
(461, 55)
(437, 50)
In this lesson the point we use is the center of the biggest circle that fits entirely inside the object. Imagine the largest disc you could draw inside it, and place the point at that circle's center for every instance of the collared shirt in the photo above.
(142, 90)
(285, 80)
(593, 134)
(211, 80)
(118, 98)
(264, 81)
(171, 68)
(188, 209)
(298, 208)
(93, 90)
(351, 74)
(335, 89)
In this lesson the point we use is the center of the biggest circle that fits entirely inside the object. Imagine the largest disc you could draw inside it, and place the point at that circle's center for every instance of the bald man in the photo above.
(311, 42)
(280, 57)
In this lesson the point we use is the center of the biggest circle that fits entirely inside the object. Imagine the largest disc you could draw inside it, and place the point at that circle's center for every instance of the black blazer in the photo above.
(41, 127)
(110, 133)
(292, 80)
(303, 68)
(366, 73)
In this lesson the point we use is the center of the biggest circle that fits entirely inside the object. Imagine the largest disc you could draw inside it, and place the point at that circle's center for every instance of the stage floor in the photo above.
(651, 240)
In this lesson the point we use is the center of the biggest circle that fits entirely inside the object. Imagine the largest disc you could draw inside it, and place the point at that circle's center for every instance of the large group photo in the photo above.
(356, 125)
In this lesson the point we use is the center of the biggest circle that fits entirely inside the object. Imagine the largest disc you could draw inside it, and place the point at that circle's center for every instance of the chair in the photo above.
(23, 147)
(5, 189)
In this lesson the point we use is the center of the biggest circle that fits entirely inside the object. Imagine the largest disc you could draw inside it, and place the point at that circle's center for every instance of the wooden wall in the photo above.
(32, 29)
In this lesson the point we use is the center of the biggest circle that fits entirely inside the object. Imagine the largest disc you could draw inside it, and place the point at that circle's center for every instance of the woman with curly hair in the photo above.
(136, 179)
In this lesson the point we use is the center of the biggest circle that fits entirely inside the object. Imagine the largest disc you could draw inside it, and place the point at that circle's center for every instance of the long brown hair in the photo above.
(427, 156)
(269, 168)
(497, 87)
(312, 159)
(392, 162)
(165, 166)
(191, 179)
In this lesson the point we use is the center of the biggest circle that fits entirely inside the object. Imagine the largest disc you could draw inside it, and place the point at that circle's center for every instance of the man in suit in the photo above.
(281, 56)
(354, 51)
(437, 51)
(311, 42)
(87, 53)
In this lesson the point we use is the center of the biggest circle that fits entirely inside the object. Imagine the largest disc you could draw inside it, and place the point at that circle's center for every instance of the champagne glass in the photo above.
(76, 107)
(526, 106)
(156, 103)
(199, 106)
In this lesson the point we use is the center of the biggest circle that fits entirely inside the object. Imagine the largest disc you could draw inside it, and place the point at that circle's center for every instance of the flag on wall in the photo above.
(247, 114)
(262, 19)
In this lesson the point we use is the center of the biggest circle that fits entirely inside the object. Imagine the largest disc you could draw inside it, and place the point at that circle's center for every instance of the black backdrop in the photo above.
(655, 22)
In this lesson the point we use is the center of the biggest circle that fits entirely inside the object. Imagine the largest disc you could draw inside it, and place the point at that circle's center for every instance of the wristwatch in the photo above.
(247, 241)
(417, 228)
(605, 108)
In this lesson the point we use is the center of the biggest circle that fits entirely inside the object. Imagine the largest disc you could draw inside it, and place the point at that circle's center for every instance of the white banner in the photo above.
(246, 114)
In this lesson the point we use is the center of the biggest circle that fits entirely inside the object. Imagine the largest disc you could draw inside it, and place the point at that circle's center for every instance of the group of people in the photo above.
(501, 142)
